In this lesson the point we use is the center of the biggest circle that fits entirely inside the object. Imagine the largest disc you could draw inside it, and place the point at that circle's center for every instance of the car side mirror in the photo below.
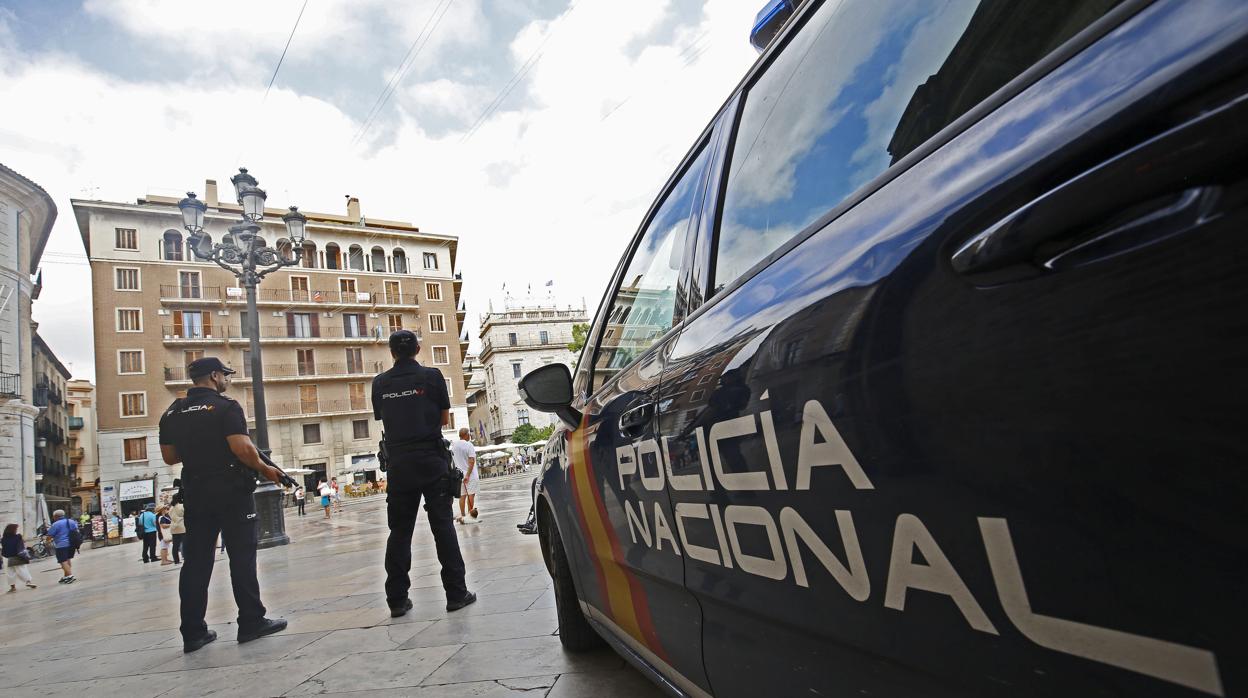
(549, 389)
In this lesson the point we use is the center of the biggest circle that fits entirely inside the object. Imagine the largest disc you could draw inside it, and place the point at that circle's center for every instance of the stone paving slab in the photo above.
(114, 632)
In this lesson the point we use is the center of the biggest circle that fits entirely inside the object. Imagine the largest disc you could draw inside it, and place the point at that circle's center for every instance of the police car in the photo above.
(924, 374)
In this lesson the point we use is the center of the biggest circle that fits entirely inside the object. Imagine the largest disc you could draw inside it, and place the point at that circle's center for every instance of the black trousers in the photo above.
(300, 502)
(149, 546)
(233, 517)
(401, 509)
(177, 546)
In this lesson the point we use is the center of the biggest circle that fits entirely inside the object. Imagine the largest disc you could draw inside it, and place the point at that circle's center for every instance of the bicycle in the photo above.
(40, 549)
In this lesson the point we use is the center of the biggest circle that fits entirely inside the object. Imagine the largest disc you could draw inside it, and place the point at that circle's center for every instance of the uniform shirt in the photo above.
(461, 451)
(198, 426)
(409, 399)
(59, 531)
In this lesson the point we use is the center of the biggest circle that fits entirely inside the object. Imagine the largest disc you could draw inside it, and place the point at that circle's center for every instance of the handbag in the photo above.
(22, 557)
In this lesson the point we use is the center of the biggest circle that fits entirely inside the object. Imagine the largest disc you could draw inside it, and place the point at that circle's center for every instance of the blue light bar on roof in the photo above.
(768, 21)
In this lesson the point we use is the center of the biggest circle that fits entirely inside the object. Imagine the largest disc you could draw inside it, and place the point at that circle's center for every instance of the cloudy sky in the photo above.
(538, 131)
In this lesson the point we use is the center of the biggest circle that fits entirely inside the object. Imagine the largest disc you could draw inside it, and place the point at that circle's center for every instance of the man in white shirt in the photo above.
(465, 458)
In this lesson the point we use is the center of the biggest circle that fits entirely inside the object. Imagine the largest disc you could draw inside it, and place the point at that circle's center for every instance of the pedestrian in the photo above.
(148, 531)
(164, 523)
(337, 494)
(16, 558)
(412, 403)
(65, 538)
(326, 493)
(177, 526)
(207, 433)
(464, 455)
(299, 498)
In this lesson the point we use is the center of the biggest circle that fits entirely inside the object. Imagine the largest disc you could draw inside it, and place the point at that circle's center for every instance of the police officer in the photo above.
(412, 403)
(207, 432)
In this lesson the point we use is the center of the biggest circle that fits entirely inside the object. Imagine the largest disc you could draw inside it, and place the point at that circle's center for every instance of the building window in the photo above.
(449, 391)
(359, 428)
(512, 340)
(355, 391)
(545, 337)
(522, 416)
(353, 325)
(192, 324)
(347, 290)
(395, 321)
(431, 260)
(309, 401)
(172, 247)
(127, 279)
(393, 291)
(437, 322)
(129, 320)
(127, 239)
(299, 289)
(246, 367)
(188, 285)
(130, 361)
(441, 356)
(355, 360)
(301, 325)
(311, 433)
(515, 369)
(134, 450)
(133, 404)
(400, 261)
(433, 291)
(305, 362)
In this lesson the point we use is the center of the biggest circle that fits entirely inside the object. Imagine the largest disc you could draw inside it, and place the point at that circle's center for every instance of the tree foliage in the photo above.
(579, 332)
(527, 433)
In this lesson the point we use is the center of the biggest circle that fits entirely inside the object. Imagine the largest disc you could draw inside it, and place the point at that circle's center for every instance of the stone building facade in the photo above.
(521, 337)
(53, 475)
(26, 217)
(323, 328)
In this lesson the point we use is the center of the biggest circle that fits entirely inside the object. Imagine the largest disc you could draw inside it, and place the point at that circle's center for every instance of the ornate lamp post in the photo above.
(243, 253)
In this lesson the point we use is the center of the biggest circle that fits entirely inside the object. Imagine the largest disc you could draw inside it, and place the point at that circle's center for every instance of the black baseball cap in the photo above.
(404, 342)
(206, 365)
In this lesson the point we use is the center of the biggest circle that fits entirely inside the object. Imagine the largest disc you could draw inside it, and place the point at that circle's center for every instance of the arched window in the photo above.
(379, 259)
(284, 250)
(400, 261)
(309, 255)
(173, 246)
(355, 257)
(333, 256)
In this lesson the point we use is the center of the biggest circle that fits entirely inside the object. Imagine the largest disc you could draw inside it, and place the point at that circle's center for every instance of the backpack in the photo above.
(75, 536)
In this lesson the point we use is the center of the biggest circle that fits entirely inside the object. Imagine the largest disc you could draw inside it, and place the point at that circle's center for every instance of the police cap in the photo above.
(404, 343)
(206, 365)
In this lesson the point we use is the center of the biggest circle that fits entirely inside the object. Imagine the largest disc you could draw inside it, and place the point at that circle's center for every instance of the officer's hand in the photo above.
(272, 474)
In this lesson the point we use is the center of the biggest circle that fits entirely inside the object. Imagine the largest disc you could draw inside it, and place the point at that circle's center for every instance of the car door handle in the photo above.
(634, 421)
(1154, 190)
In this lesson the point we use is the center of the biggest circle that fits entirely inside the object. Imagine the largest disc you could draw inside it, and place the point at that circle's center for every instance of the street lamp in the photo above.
(243, 253)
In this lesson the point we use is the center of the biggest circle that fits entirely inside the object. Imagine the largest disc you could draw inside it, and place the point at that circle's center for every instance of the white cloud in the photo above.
(545, 189)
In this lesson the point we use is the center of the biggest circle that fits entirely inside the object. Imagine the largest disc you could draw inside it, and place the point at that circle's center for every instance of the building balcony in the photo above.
(76, 454)
(75, 423)
(174, 295)
(10, 385)
(293, 373)
(524, 344)
(275, 334)
(303, 409)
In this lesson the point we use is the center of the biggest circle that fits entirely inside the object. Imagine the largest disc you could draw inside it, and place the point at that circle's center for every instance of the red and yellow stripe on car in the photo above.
(625, 597)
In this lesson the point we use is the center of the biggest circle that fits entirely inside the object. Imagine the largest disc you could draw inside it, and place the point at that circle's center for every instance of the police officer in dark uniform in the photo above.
(412, 403)
(207, 432)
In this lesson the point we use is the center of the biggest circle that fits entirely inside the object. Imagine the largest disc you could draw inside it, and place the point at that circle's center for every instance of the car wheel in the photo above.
(576, 634)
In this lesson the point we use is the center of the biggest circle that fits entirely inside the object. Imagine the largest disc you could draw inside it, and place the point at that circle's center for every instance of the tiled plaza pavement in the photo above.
(115, 630)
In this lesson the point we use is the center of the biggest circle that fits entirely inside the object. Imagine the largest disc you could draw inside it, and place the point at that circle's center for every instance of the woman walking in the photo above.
(165, 523)
(16, 557)
(177, 529)
(327, 494)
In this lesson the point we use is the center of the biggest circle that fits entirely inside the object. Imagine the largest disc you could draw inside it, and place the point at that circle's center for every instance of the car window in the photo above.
(855, 90)
(644, 302)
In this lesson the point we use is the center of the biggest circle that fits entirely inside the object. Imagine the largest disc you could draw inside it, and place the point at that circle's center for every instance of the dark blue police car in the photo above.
(925, 374)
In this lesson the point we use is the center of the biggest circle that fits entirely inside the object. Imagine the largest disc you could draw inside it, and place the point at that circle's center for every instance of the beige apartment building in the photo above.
(83, 456)
(323, 330)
